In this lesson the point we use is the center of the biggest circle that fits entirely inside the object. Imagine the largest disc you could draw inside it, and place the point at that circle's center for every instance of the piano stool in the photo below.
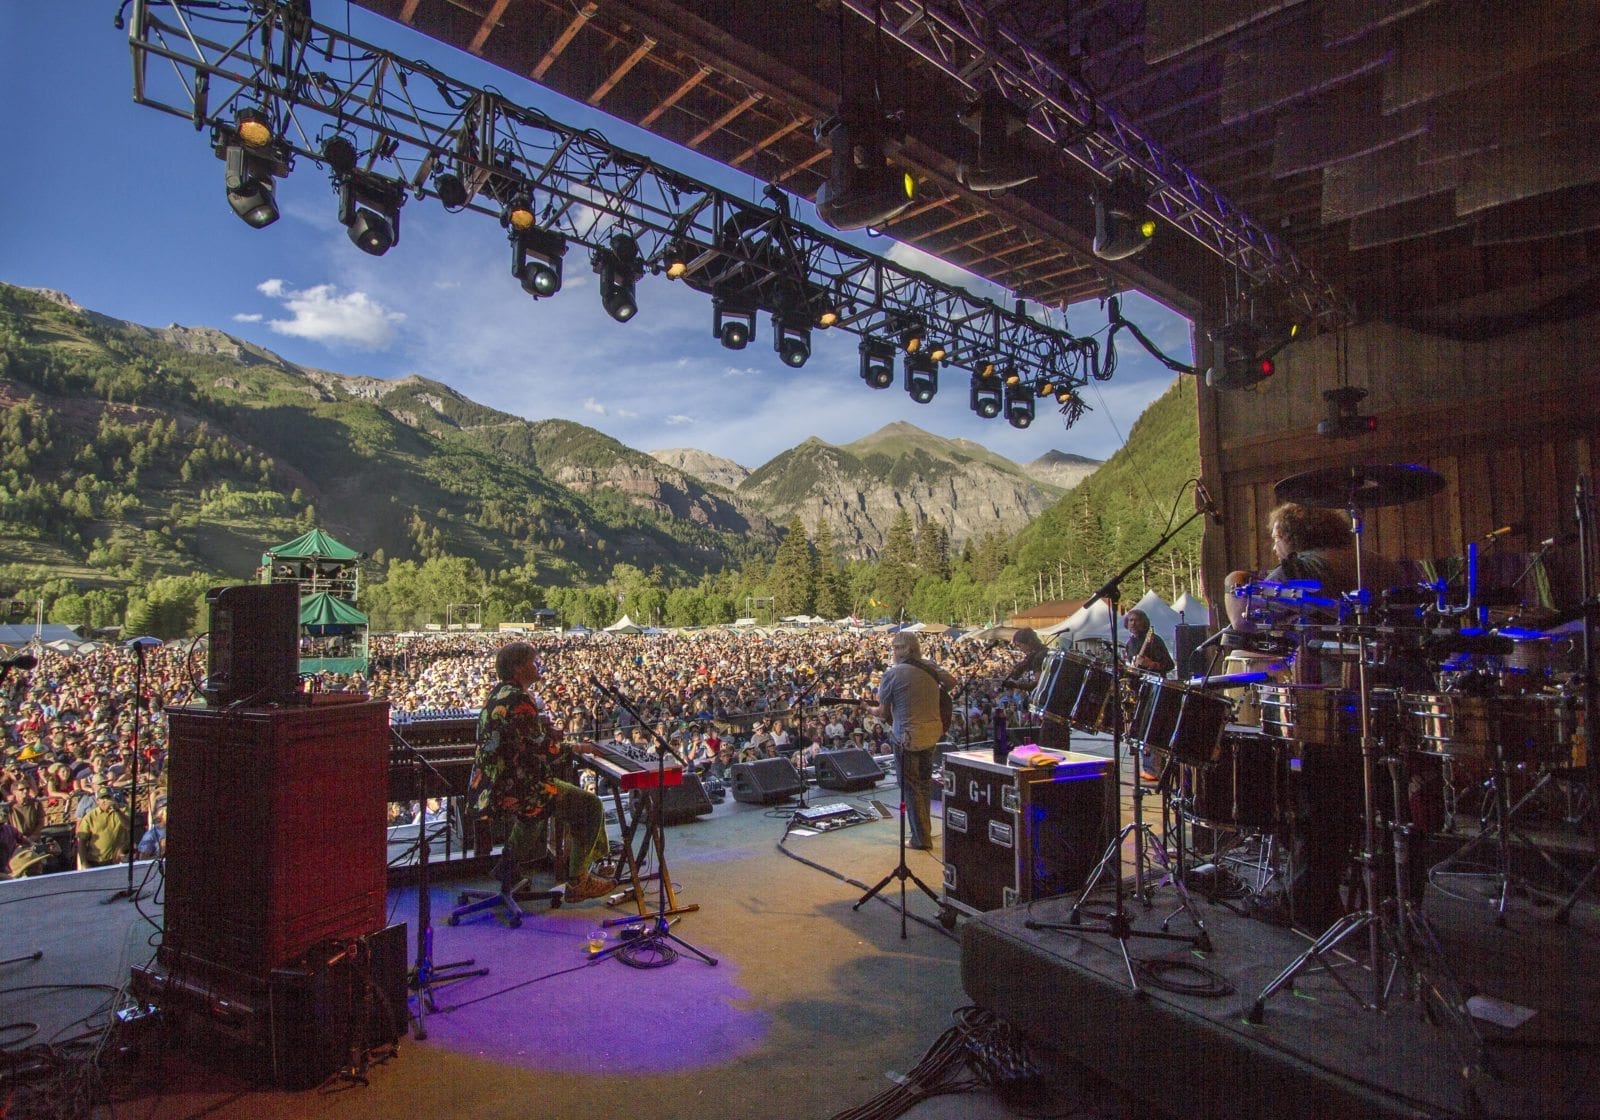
(514, 888)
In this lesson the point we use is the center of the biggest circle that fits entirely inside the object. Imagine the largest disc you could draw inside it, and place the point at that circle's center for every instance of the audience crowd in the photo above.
(71, 727)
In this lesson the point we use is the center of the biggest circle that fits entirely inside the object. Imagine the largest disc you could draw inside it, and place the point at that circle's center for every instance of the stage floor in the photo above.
(816, 1006)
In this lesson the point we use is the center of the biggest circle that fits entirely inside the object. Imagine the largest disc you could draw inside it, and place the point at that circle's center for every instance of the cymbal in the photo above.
(1368, 487)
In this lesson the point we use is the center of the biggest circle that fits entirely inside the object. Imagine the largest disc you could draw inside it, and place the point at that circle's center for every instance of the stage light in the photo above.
(864, 187)
(1343, 421)
(995, 159)
(1123, 224)
(937, 351)
(369, 209)
(518, 212)
(912, 338)
(253, 128)
(1019, 406)
(1012, 376)
(536, 256)
(732, 326)
(675, 261)
(922, 377)
(247, 178)
(1242, 354)
(1044, 388)
(451, 190)
(339, 154)
(827, 317)
(620, 268)
(793, 343)
(877, 362)
(984, 396)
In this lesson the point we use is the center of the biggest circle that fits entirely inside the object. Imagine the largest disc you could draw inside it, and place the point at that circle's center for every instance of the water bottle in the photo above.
(1002, 748)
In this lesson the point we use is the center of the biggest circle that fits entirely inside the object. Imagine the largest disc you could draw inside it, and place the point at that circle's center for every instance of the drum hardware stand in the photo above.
(1584, 515)
(1498, 826)
(1402, 940)
(658, 928)
(1118, 924)
(425, 975)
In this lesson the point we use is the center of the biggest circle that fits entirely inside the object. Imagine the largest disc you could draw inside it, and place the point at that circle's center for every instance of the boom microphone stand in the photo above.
(1118, 924)
(424, 975)
(660, 927)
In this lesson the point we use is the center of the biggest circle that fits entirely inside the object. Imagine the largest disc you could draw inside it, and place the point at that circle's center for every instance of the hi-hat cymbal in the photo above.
(1368, 487)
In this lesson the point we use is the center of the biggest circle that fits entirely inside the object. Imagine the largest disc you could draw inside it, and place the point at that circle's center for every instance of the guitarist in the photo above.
(909, 698)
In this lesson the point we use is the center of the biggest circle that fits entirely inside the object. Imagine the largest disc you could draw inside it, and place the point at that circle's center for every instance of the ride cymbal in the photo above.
(1360, 487)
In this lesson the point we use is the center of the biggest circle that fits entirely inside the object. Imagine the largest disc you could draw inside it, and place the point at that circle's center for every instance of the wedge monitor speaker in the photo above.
(849, 771)
(765, 781)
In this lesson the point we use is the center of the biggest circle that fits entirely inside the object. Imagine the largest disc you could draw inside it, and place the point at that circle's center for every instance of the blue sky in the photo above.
(121, 207)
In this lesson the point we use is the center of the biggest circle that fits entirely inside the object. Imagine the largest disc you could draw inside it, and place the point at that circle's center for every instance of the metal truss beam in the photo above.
(977, 43)
(411, 123)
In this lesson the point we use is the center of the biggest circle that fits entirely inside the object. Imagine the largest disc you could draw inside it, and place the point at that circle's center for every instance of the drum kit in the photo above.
(1424, 683)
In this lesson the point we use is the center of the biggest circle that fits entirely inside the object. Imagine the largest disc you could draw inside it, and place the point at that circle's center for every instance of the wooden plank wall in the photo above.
(1511, 423)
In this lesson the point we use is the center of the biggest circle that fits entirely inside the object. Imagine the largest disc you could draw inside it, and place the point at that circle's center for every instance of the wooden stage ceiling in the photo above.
(1435, 162)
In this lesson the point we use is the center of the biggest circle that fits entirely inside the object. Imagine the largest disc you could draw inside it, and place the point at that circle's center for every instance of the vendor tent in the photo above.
(1192, 611)
(624, 625)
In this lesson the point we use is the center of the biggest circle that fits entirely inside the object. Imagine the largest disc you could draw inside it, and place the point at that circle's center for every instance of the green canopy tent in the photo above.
(333, 635)
(316, 562)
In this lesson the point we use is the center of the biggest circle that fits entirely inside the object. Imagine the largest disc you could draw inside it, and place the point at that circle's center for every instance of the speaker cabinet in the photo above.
(683, 803)
(277, 835)
(850, 770)
(765, 781)
(255, 644)
(298, 1025)
(1014, 834)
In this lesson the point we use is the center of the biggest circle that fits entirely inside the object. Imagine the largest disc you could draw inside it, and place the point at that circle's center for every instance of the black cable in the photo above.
(1159, 972)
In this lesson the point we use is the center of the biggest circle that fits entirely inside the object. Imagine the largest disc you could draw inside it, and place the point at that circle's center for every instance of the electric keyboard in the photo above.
(630, 768)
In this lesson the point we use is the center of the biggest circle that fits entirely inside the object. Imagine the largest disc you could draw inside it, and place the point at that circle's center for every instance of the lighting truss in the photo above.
(977, 41)
(428, 132)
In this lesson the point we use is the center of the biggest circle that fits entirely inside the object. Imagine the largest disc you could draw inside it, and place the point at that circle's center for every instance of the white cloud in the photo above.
(254, 317)
(600, 409)
(323, 314)
(678, 419)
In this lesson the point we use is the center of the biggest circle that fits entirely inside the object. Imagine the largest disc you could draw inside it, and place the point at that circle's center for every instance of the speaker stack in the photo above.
(254, 644)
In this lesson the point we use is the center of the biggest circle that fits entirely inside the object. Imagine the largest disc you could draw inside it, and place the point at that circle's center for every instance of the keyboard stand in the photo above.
(634, 856)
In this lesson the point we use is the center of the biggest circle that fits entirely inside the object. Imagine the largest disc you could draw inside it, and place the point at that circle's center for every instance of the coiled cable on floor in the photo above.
(1182, 977)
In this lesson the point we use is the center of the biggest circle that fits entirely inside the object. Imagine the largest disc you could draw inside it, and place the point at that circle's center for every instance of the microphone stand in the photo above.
(132, 893)
(424, 975)
(660, 924)
(1118, 924)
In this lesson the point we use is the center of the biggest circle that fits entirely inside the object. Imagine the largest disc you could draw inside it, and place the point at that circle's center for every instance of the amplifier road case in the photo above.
(1013, 834)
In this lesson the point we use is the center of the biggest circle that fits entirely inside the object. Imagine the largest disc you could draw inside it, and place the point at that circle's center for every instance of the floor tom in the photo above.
(1076, 690)
(1241, 790)
(1184, 722)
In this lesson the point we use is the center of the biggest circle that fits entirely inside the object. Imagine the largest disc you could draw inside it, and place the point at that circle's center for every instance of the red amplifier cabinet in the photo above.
(1012, 834)
(276, 835)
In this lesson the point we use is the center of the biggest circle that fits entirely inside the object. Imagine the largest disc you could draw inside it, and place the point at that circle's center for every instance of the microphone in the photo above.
(1560, 540)
(1202, 501)
(1503, 531)
(23, 661)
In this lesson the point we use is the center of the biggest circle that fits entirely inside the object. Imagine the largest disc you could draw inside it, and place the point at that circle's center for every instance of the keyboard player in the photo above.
(520, 757)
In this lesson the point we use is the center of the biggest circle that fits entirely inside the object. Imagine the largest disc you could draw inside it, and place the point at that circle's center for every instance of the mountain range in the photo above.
(243, 448)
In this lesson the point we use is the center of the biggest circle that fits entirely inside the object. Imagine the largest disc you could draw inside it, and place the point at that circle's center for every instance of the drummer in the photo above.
(1148, 654)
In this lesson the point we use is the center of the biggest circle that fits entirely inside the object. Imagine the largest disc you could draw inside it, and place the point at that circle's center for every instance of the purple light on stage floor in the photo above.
(545, 1006)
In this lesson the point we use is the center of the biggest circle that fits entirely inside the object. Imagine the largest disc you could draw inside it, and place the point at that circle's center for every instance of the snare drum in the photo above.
(1073, 689)
(1531, 730)
(1240, 792)
(1184, 722)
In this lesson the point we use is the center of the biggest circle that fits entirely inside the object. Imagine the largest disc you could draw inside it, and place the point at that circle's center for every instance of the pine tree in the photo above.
(791, 578)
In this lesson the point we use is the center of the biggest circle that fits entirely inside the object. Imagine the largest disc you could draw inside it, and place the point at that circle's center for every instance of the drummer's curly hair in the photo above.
(1305, 527)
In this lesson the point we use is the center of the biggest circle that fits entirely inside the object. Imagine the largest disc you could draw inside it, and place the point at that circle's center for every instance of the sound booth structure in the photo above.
(849, 770)
(766, 781)
(1015, 834)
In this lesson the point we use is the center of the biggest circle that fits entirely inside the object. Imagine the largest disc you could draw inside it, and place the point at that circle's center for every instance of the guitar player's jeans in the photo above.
(916, 780)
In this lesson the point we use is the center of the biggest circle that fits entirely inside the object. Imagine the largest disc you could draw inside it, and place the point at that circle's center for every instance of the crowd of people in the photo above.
(72, 726)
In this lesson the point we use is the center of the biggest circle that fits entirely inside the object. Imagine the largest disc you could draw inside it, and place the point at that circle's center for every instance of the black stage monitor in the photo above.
(255, 644)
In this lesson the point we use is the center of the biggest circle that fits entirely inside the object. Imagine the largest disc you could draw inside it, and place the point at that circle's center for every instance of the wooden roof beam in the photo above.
(568, 33)
(677, 95)
(811, 160)
(490, 20)
(723, 121)
(768, 140)
(635, 57)
(408, 11)
(918, 211)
